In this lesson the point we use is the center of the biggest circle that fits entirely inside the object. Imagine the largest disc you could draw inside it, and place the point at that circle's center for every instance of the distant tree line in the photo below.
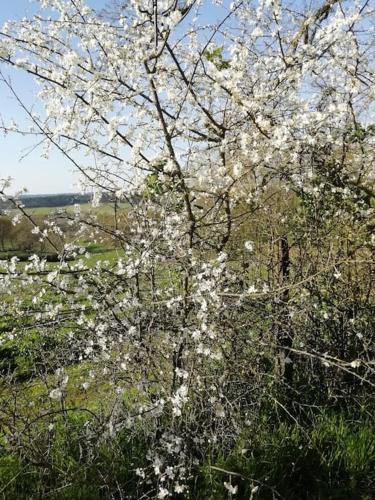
(49, 200)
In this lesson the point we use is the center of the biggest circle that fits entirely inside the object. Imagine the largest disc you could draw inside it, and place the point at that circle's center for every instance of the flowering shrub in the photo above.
(237, 151)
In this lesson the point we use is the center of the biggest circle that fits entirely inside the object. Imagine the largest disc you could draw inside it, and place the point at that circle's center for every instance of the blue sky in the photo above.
(38, 175)
(19, 158)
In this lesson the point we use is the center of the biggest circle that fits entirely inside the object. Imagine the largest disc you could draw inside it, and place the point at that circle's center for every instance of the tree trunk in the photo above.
(284, 328)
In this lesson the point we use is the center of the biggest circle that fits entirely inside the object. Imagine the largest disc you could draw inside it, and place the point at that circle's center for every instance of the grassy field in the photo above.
(327, 451)
(97, 251)
(85, 208)
(21, 353)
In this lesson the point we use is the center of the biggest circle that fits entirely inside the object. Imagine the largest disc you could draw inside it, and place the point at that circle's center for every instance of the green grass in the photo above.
(75, 472)
(331, 457)
(327, 455)
(103, 254)
(102, 209)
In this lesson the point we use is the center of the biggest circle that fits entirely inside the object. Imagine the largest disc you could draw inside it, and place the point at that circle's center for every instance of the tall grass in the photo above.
(332, 456)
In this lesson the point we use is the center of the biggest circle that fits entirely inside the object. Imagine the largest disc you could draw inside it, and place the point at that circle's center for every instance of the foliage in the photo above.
(238, 158)
(331, 457)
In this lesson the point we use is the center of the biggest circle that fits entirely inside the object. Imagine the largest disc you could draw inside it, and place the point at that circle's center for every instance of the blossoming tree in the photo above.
(235, 142)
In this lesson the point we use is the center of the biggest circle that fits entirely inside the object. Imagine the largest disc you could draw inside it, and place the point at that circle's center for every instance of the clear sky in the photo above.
(18, 156)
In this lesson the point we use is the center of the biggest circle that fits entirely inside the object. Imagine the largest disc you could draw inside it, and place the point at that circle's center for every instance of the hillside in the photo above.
(50, 200)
